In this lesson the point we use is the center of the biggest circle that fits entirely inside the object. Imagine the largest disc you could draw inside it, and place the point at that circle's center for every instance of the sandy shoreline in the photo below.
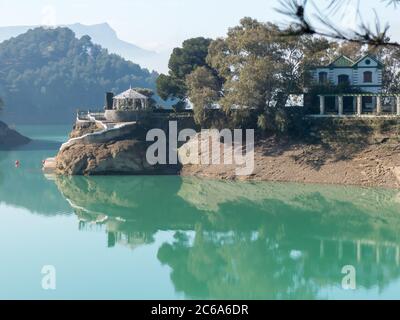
(375, 165)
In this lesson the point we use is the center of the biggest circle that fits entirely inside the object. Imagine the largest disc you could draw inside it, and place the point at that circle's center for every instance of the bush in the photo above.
(287, 121)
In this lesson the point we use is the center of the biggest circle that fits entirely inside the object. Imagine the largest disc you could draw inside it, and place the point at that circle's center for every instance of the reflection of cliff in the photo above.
(26, 187)
(209, 194)
(337, 210)
(133, 208)
(239, 240)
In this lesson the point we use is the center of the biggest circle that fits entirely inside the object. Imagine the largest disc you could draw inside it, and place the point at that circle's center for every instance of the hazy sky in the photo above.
(162, 24)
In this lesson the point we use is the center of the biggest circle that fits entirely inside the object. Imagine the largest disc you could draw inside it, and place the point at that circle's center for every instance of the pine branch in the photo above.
(303, 25)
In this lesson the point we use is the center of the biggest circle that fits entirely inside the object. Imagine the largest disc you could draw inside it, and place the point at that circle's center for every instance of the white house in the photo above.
(365, 73)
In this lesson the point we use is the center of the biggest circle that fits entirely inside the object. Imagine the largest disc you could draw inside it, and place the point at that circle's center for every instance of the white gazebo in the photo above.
(130, 100)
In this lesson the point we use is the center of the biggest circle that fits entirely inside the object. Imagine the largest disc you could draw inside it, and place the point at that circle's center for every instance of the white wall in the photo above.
(363, 63)
(356, 76)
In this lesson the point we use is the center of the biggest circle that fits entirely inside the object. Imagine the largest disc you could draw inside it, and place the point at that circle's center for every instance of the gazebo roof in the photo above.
(130, 94)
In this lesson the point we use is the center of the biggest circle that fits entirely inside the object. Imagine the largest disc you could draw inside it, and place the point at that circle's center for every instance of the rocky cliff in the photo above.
(115, 157)
(118, 150)
(10, 138)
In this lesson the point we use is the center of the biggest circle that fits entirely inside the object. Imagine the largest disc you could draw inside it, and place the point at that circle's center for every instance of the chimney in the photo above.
(109, 101)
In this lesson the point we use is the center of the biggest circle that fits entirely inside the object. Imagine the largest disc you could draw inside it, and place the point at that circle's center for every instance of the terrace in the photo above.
(359, 105)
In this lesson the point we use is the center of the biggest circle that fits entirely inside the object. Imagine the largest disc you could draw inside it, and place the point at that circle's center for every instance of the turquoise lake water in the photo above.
(167, 237)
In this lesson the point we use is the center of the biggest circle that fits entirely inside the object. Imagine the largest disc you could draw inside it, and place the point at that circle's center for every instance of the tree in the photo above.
(169, 87)
(390, 57)
(322, 24)
(48, 73)
(182, 62)
(258, 66)
(152, 104)
(203, 89)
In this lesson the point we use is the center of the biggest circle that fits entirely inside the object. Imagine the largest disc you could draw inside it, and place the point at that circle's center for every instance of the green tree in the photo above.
(48, 73)
(258, 66)
(390, 57)
(325, 21)
(203, 89)
(152, 103)
(182, 62)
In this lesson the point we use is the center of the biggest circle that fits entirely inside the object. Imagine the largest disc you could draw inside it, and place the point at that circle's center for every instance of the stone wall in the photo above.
(124, 116)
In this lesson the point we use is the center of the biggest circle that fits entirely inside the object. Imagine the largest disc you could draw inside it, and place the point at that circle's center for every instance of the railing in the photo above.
(82, 115)
(99, 115)
(90, 115)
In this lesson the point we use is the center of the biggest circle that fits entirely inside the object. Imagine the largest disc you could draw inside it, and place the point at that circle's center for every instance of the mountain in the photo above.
(105, 36)
(47, 74)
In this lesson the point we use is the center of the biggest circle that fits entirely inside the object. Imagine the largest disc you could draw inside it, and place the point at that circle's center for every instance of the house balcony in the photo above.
(359, 105)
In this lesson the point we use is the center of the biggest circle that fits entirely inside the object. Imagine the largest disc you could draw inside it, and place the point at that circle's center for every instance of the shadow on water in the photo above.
(247, 240)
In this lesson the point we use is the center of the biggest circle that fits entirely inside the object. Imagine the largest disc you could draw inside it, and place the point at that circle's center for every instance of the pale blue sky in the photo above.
(162, 24)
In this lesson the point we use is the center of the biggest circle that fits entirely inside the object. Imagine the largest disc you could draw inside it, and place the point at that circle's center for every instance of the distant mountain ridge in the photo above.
(105, 36)
(47, 74)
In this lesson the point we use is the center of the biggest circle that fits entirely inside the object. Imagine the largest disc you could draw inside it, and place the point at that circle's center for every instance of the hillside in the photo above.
(10, 138)
(47, 74)
(103, 35)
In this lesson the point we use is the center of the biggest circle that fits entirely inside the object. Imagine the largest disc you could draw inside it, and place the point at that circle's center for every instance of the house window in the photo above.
(368, 99)
(323, 77)
(367, 76)
(343, 79)
(368, 62)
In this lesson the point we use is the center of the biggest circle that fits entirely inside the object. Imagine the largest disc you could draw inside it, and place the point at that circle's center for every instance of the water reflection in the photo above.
(247, 240)
(26, 187)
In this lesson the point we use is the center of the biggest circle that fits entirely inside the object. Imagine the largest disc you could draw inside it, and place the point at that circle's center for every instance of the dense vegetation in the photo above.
(46, 74)
(183, 61)
(249, 74)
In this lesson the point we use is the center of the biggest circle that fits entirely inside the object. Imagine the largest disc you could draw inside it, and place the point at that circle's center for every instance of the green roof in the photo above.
(342, 61)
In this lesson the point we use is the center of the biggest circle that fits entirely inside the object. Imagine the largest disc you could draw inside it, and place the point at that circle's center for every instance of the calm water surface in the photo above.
(173, 238)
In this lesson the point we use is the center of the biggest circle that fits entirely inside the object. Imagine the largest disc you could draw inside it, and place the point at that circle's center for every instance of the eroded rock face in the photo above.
(115, 157)
(10, 138)
(82, 128)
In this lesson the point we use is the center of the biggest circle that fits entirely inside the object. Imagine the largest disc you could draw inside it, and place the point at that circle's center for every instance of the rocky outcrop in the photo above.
(82, 128)
(117, 148)
(115, 157)
(117, 132)
(10, 138)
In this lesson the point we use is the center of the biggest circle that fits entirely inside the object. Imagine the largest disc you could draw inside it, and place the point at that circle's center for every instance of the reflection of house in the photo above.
(366, 97)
